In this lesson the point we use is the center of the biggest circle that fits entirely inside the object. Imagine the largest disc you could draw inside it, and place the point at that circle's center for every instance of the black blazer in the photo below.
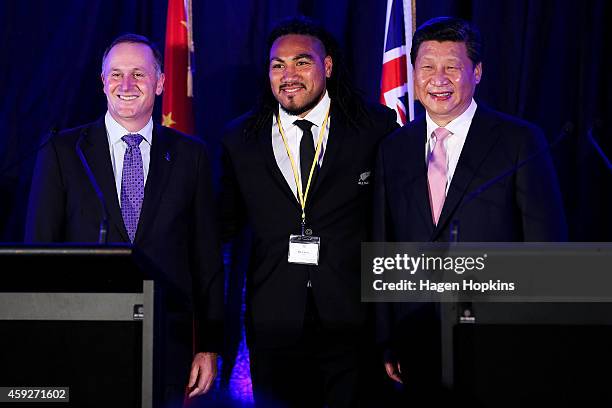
(524, 206)
(338, 211)
(176, 229)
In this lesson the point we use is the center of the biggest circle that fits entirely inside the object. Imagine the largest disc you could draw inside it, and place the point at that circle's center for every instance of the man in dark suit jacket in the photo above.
(172, 224)
(306, 326)
(466, 146)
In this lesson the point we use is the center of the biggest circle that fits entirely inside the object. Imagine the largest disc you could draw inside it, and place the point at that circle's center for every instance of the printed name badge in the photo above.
(304, 249)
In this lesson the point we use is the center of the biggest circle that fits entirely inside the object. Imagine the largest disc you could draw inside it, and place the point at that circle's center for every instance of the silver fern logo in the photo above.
(364, 178)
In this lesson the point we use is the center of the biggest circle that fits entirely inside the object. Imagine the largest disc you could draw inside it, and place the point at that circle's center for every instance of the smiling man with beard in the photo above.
(297, 170)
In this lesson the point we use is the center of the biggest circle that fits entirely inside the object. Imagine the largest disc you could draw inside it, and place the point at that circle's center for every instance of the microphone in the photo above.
(598, 124)
(454, 229)
(465, 311)
(103, 232)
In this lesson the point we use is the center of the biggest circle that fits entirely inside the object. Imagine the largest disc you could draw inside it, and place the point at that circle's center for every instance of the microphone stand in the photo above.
(103, 232)
(465, 309)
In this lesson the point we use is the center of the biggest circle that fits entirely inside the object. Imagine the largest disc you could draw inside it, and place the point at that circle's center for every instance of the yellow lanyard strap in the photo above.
(303, 196)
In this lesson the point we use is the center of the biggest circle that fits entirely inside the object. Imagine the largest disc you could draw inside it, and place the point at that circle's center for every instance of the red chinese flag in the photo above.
(177, 110)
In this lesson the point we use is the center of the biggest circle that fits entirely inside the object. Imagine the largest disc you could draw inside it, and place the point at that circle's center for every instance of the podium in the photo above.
(547, 355)
(552, 352)
(502, 324)
(78, 317)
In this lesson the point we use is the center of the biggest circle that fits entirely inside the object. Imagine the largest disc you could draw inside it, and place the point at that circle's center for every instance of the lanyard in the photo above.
(303, 195)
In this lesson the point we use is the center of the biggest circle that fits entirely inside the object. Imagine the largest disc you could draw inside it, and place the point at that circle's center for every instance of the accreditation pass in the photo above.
(304, 249)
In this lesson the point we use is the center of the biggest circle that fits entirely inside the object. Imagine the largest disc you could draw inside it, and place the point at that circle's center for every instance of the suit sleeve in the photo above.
(45, 221)
(379, 217)
(381, 233)
(391, 124)
(232, 209)
(380, 228)
(538, 195)
(207, 269)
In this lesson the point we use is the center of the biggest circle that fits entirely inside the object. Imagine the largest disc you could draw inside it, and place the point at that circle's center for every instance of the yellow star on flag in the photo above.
(167, 120)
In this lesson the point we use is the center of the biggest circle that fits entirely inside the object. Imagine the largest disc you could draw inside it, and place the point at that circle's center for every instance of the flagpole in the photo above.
(190, 48)
(409, 27)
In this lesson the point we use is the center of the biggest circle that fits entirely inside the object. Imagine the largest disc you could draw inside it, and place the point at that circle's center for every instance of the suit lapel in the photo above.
(96, 151)
(416, 152)
(338, 130)
(264, 146)
(163, 155)
(480, 140)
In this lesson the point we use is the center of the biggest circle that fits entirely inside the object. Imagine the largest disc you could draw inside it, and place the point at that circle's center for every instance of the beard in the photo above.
(306, 107)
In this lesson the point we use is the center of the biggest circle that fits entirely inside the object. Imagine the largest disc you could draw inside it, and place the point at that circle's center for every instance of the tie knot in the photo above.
(303, 124)
(133, 140)
(441, 134)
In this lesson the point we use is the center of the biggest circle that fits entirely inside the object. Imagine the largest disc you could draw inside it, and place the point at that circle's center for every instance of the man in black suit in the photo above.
(429, 172)
(311, 141)
(156, 184)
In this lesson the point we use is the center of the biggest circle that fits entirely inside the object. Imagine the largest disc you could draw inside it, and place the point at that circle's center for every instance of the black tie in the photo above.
(307, 153)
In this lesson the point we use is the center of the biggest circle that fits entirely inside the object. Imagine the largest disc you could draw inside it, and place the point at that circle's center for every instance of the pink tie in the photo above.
(437, 174)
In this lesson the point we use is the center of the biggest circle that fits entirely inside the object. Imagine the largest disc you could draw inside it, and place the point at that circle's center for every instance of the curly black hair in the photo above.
(344, 95)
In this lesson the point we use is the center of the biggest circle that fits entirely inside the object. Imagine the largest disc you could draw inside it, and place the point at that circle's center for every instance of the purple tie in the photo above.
(437, 176)
(132, 184)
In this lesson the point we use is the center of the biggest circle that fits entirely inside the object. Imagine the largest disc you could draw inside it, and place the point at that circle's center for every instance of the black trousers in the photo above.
(321, 369)
(418, 348)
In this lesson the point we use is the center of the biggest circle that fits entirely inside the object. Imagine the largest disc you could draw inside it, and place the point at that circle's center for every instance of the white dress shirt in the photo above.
(117, 147)
(459, 128)
(294, 137)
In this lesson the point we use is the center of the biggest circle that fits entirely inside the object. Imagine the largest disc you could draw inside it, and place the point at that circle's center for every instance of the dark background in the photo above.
(544, 61)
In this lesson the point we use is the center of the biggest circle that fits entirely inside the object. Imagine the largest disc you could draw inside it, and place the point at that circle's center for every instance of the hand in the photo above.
(203, 373)
(393, 367)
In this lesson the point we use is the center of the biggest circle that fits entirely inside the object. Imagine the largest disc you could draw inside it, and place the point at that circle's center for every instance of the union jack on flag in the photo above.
(396, 84)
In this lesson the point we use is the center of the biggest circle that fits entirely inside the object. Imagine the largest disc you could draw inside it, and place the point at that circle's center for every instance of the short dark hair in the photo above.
(136, 39)
(448, 29)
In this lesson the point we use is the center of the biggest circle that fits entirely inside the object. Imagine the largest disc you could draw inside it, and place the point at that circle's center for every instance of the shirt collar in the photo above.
(316, 115)
(456, 125)
(115, 131)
